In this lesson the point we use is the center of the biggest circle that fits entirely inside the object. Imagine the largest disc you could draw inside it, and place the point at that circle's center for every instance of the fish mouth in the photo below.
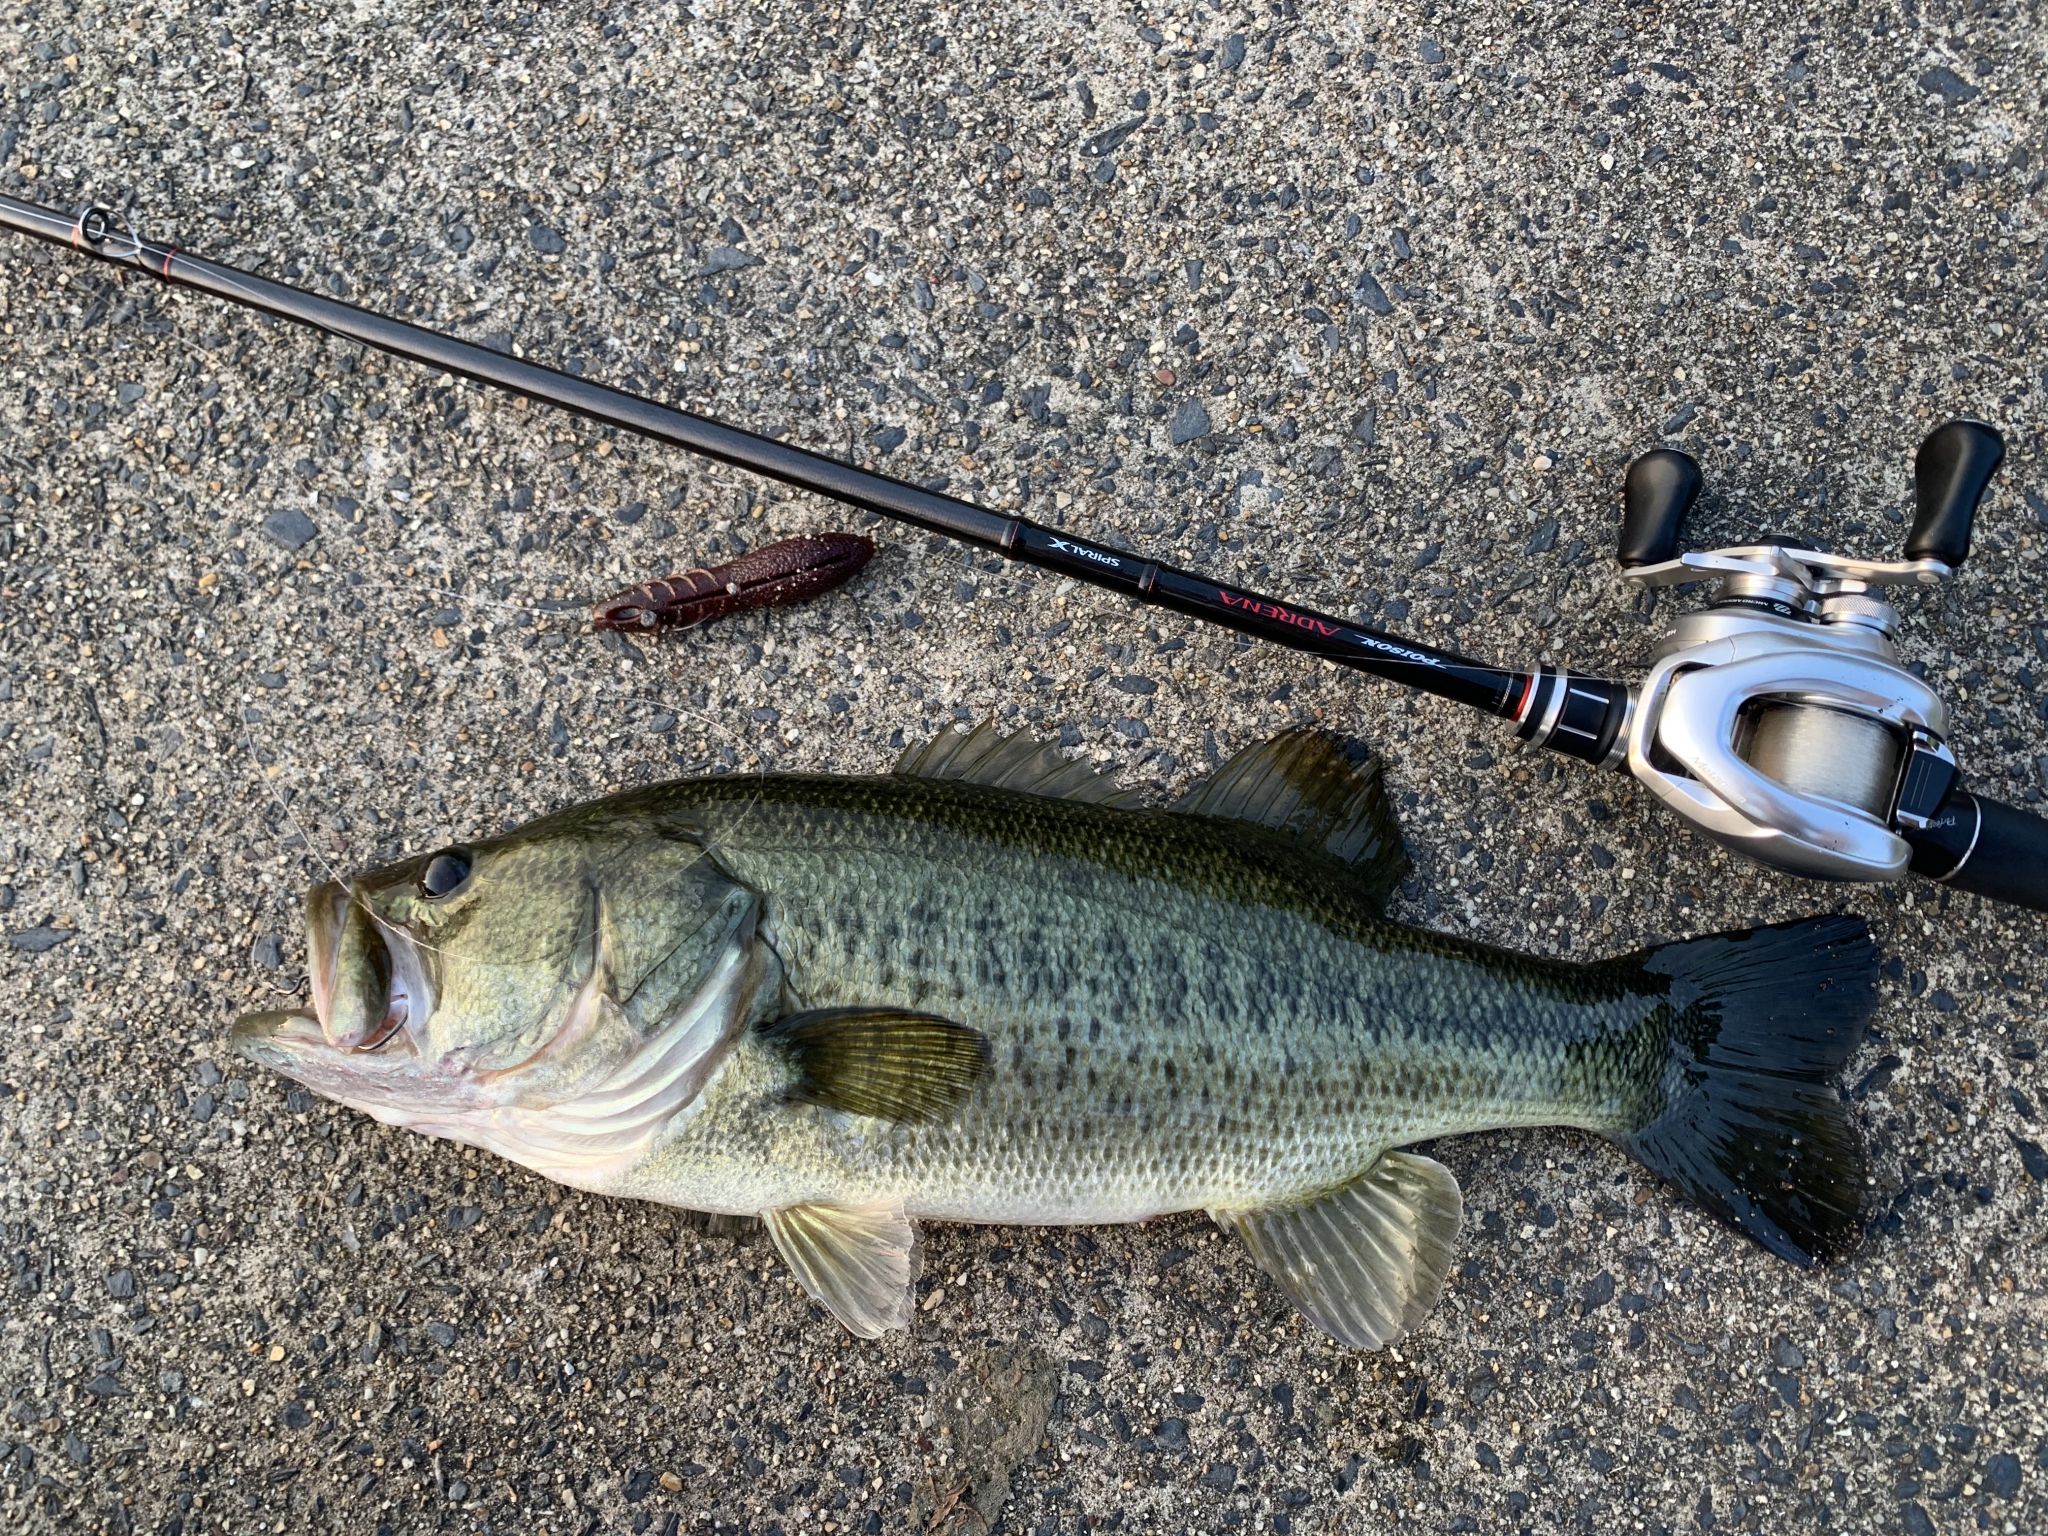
(387, 1084)
(327, 907)
(370, 985)
(352, 1042)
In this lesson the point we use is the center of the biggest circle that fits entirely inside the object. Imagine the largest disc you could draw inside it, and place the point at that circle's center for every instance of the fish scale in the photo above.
(1214, 1022)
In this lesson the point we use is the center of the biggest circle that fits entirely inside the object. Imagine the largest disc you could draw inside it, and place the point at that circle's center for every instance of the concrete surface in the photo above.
(1367, 304)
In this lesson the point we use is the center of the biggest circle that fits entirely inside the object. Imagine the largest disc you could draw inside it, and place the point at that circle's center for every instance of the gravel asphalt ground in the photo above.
(1367, 304)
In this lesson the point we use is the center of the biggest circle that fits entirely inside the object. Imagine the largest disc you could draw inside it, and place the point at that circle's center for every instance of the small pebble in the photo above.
(36, 941)
(1190, 422)
(290, 527)
(1951, 87)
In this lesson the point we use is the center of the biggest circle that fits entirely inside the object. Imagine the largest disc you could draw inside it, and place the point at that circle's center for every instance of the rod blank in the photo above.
(1496, 690)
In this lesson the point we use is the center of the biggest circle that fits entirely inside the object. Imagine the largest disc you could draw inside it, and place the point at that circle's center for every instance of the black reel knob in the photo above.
(1950, 475)
(1659, 490)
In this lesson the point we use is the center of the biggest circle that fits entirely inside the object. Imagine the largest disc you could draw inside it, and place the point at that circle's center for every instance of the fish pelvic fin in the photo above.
(1747, 1118)
(1304, 785)
(858, 1262)
(1365, 1262)
(916, 1068)
(1018, 762)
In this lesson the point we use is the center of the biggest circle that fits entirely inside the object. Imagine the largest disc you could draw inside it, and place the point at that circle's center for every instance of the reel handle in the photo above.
(1950, 475)
(1657, 492)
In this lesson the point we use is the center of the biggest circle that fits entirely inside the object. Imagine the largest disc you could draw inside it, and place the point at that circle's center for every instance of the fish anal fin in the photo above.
(857, 1262)
(1303, 785)
(892, 1063)
(1017, 762)
(1366, 1261)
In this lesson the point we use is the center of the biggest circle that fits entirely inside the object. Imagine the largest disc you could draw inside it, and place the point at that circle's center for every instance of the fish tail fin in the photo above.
(1746, 1116)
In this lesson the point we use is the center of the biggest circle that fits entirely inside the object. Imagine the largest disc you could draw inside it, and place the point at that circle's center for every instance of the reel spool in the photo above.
(1779, 719)
(1824, 753)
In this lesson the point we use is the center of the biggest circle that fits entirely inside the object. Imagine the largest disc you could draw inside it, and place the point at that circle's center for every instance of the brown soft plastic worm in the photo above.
(775, 576)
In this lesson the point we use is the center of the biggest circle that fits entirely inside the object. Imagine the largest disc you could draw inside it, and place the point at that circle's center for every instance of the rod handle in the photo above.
(1987, 848)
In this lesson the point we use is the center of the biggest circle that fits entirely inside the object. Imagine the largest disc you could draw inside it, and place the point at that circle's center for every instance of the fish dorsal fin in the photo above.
(1366, 1261)
(857, 1262)
(888, 1062)
(1301, 783)
(1019, 762)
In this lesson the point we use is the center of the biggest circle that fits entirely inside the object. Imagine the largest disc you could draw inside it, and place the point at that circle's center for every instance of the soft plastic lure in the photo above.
(775, 576)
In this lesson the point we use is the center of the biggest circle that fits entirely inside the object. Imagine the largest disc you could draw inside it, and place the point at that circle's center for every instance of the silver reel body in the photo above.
(1780, 720)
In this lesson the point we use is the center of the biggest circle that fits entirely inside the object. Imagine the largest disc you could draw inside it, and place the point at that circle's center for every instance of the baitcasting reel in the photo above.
(1780, 720)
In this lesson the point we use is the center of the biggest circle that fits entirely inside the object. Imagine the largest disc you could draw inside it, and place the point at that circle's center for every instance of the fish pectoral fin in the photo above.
(1366, 1261)
(1019, 762)
(1301, 784)
(857, 1262)
(888, 1062)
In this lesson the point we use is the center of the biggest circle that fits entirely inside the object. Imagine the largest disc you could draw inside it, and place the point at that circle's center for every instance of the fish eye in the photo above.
(445, 874)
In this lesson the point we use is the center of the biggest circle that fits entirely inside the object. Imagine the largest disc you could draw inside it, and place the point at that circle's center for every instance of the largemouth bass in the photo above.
(991, 988)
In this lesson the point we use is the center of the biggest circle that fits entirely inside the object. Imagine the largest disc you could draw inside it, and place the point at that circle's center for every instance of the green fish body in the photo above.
(988, 988)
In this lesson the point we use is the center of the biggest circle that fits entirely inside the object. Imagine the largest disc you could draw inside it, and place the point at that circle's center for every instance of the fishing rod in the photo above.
(1779, 720)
